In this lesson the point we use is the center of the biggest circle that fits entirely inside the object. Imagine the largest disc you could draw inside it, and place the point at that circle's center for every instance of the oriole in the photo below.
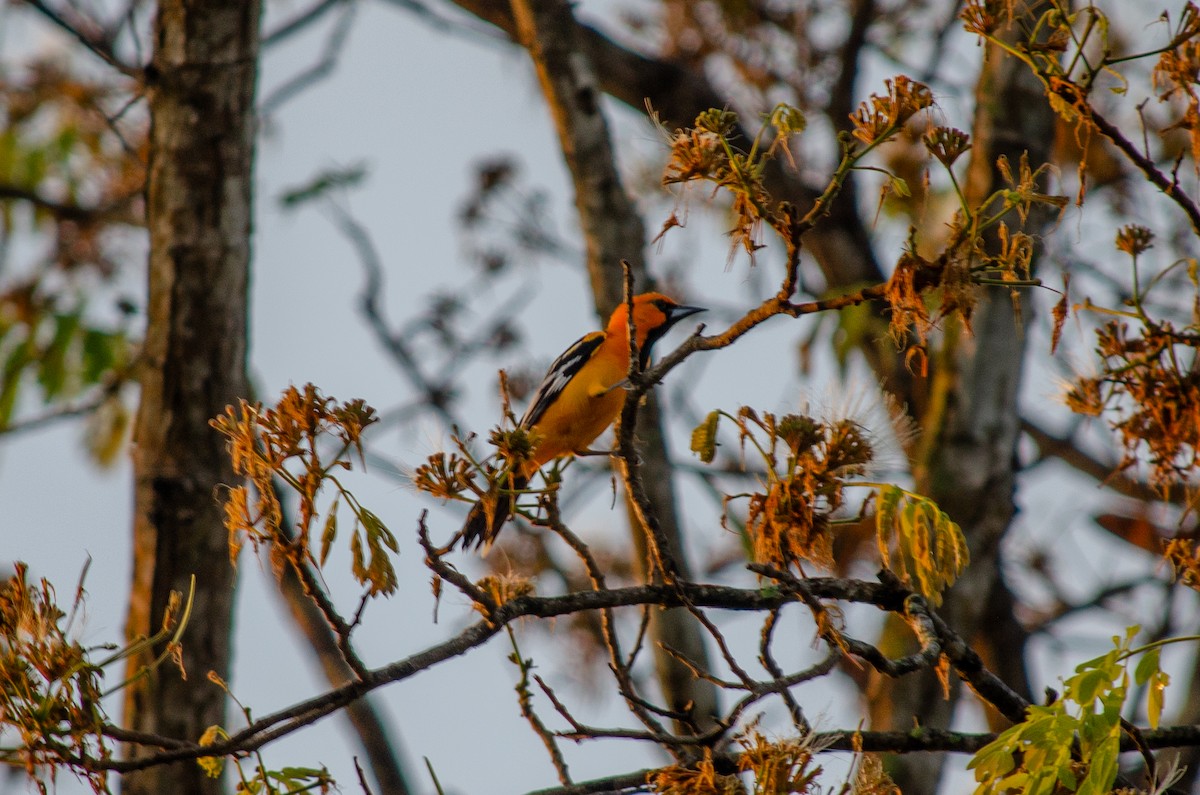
(579, 397)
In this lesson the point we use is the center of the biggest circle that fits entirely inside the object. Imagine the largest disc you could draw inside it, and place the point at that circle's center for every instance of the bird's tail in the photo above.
(489, 514)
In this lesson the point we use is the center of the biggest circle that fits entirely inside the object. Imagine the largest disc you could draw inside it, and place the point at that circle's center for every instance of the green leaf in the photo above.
(1147, 667)
(1155, 698)
(1067, 778)
(788, 120)
(1102, 769)
(377, 530)
(102, 352)
(10, 377)
(1087, 686)
(52, 367)
(297, 773)
(904, 536)
(106, 430)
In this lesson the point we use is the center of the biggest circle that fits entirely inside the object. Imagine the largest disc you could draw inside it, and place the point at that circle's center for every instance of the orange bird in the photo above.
(579, 397)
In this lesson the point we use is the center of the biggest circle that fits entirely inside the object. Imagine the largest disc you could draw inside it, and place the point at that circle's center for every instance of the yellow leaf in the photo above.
(704, 437)
(212, 765)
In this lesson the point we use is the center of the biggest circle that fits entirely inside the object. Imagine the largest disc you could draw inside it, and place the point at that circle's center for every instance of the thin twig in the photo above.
(323, 68)
(93, 40)
(772, 667)
(525, 701)
(52, 416)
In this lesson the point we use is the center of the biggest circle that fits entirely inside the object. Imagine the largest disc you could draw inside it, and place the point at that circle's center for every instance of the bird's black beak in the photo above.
(678, 313)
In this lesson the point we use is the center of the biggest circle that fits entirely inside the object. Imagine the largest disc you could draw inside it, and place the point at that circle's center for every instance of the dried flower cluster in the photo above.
(1175, 76)
(452, 476)
(1184, 557)
(699, 779)
(807, 462)
(505, 587)
(1151, 390)
(709, 152)
(906, 299)
(49, 689)
(776, 767)
(880, 117)
(947, 144)
(1148, 385)
(281, 447)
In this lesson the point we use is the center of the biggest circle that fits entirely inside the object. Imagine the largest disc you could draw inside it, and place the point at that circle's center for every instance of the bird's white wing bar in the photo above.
(564, 368)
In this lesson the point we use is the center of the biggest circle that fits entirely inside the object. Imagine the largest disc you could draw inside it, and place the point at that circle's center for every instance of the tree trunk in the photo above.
(201, 86)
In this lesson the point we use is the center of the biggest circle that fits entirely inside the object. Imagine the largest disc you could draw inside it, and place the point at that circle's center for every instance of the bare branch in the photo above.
(118, 211)
(301, 21)
(87, 32)
(323, 68)
(1066, 450)
(51, 416)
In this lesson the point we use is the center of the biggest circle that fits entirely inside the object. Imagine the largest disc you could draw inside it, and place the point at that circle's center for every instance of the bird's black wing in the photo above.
(564, 368)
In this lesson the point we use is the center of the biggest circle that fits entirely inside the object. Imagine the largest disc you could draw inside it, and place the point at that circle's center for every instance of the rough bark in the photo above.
(613, 231)
(201, 86)
(971, 469)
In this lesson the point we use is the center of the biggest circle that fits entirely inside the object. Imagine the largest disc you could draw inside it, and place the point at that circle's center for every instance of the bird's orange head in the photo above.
(653, 316)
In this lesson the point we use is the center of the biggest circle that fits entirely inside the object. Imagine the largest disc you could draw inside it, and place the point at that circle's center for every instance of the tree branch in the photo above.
(884, 596)
(114, 212)
(1066, 450)
(88, 33)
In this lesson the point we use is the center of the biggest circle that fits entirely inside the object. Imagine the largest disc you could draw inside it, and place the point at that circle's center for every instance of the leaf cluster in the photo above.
(918, 542)
(257, 778)
(69, 178)
(62, 155)
(1073, 743)
(63, 162)
(60, 349)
